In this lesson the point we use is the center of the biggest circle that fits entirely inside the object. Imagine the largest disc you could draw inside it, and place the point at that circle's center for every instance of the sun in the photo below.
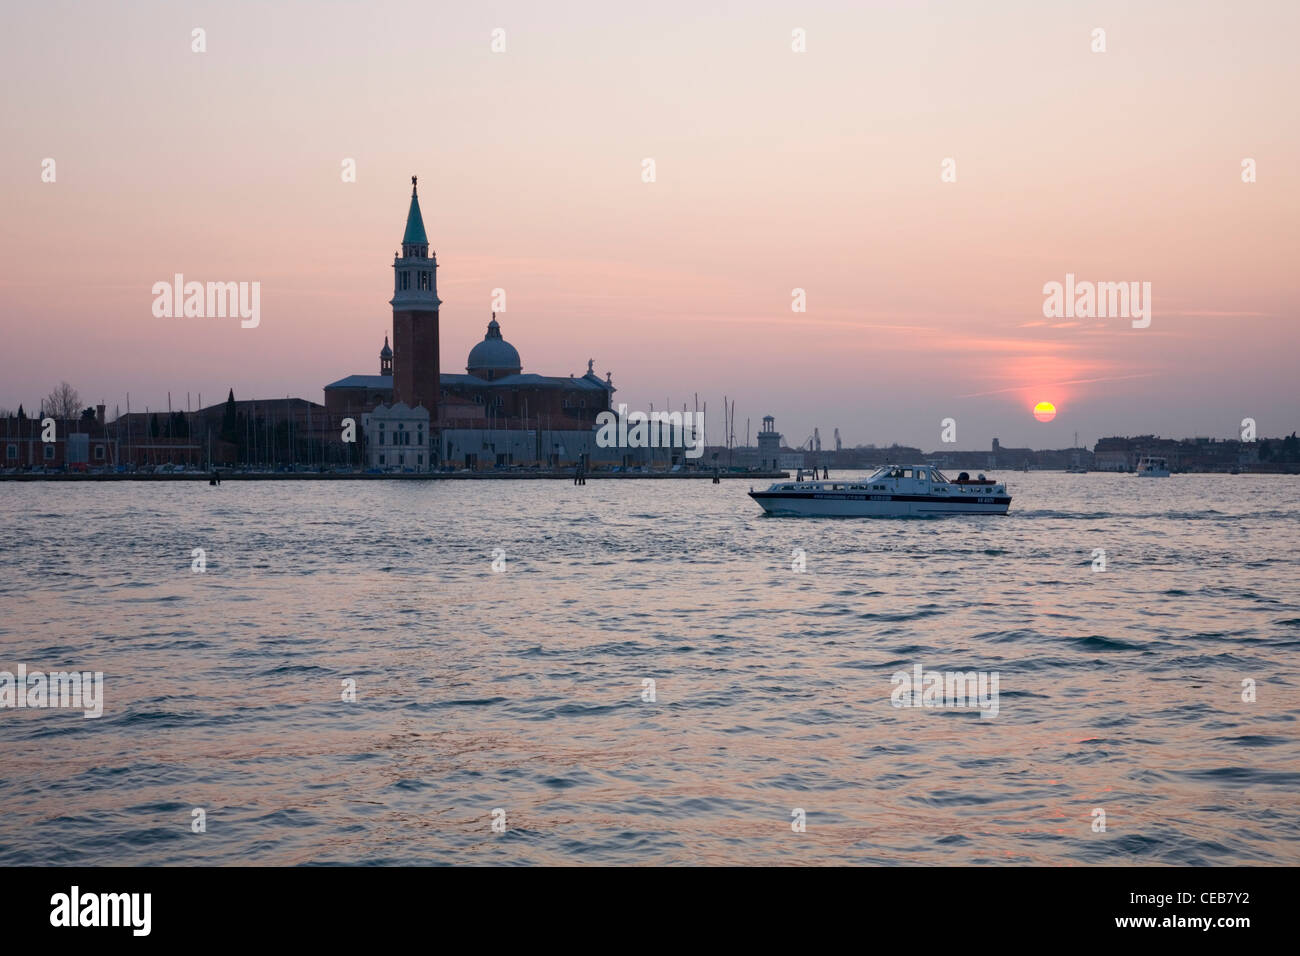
(1044, 411)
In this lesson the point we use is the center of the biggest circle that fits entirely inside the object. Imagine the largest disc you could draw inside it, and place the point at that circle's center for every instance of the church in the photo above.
(494, 414)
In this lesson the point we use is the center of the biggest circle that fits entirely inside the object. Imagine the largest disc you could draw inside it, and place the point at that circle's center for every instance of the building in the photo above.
(493, 396)
(270, 432)
(1123, 454)
(1113, 454)
(769, 445)
(397, 438)
(1002, 457)
(78, 444)
(495, 381)
(476, 448)
(415, 305)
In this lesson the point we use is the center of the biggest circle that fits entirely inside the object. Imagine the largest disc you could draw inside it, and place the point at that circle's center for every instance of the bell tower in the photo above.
(416, 369)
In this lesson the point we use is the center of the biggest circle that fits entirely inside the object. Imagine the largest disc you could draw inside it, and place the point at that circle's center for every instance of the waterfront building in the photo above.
(79, 444)
(397, 438)
(1002, 457)
(769, 445)
(494, 395)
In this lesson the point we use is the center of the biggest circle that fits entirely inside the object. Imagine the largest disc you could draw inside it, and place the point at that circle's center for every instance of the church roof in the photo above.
(493, 352)
(386, 352)
(414, 221)
(363, 381)
(524, 378)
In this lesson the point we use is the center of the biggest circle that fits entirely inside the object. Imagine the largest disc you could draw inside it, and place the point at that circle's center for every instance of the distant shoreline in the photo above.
(499, 476)
(427, 476)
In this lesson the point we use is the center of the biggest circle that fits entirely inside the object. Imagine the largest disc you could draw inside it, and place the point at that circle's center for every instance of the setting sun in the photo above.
(1044, 411)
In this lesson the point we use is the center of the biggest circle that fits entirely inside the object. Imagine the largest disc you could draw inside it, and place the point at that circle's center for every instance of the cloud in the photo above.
(1060, 384)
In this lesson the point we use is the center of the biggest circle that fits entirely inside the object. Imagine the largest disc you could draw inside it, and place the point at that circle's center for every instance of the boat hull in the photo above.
(833, 505)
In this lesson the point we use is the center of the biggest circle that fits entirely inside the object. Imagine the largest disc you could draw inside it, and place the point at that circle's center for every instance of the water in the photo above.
(1119, 690)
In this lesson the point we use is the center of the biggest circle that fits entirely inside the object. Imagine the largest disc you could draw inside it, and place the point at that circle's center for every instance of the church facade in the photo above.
(555, 414)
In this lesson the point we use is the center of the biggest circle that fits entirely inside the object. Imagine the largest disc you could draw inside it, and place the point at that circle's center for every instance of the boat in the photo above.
(1151, 467)
(891, 491)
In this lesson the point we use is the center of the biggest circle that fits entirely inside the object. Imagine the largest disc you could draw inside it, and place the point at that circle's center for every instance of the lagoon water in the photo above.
(1119, 690)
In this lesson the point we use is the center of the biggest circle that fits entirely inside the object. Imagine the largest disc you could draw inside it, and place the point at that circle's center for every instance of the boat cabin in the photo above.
(898, 478)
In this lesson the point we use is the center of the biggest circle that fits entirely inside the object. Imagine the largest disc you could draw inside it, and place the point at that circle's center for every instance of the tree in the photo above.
(88, 414)
(63, 403)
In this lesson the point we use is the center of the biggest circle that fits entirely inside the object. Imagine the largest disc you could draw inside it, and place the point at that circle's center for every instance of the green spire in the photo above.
(414, 222)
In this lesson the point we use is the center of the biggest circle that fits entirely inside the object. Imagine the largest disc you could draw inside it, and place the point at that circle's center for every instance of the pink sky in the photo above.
(775, 170)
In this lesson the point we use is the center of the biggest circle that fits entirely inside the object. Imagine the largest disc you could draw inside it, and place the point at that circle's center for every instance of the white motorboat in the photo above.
(1150, 467)
(891, 491)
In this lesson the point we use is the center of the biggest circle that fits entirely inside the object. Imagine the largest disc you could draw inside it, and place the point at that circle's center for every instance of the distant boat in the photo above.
(892, 491)
(1152, 467)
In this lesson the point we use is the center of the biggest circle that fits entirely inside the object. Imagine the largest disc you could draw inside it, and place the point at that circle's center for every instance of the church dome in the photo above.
(494, 356)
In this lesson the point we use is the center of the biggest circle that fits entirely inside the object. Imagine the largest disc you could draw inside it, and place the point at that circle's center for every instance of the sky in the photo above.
(774, 170)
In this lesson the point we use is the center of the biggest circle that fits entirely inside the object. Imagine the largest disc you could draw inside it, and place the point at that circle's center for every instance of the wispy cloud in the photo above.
(1061, 384)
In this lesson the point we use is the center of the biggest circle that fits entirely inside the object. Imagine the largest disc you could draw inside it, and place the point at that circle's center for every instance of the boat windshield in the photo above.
(906, 471)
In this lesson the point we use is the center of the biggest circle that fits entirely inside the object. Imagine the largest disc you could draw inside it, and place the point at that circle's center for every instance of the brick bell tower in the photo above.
(416, 372)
